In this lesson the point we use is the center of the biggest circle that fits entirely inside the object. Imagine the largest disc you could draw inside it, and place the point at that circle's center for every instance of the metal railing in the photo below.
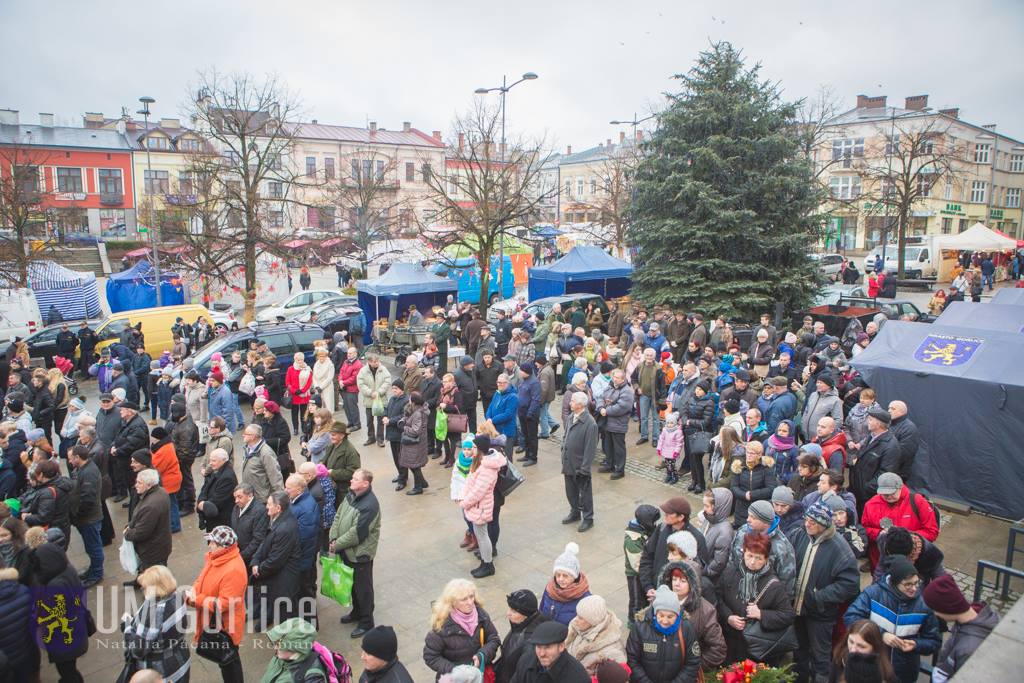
(1001, 570)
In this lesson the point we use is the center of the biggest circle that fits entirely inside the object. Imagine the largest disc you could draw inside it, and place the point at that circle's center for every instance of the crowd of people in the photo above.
(804, 479)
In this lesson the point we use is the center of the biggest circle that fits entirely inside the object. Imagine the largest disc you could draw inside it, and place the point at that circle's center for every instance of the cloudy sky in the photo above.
(395, 60)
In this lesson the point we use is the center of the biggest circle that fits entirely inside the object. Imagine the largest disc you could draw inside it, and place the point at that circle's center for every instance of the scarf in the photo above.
(808, 562)
(782, 443)
(7, 553)
(671, 630)
(575, 591)
(748, 582)
(468, 622)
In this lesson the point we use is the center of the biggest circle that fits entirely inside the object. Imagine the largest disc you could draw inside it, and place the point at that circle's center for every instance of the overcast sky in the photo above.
(409, 60)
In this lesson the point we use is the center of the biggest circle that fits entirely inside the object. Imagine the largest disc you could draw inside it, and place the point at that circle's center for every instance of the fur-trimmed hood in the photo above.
(739, 463)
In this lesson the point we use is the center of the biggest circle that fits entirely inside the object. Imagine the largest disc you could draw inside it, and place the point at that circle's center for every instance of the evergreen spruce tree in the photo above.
(726, 206)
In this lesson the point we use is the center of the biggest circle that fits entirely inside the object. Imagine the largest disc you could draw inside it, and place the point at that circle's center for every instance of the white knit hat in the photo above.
(686, 543)
(593, 609)
(568, 562)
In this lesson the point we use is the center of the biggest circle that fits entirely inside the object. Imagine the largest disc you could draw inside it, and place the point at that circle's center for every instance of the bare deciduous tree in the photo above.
(611, 198)
(486, 192)
(23, 215)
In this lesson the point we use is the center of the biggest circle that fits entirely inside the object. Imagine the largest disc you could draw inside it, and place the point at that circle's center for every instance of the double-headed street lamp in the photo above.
(146, 101)
(635, 122)
(503, 89)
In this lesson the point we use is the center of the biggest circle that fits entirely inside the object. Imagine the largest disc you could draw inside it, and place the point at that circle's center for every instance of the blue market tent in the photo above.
(1004, 317)
(546, 231)
(966, 396)
(74, 293)
(585, 269)
(409, 284)
(1009, 295)
(136, 288)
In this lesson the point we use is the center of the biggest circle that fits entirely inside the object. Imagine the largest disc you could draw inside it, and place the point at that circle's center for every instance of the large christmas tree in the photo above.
(725, 205)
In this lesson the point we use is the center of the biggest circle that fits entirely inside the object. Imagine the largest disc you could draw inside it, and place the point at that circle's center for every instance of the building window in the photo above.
(405, 218)
(329, 168)
(924, 186)
(310, 166)
(593, 186)
(274, 161)
(429, 215)
(276, 218)
(892, 144)
(69, 180)
(156, 182)
(188, 145)
(1013, 197)
(844, 187)
(568, 188)
(847, 149)
(947, 193)
(579, 187)
(110, 181)
(157, 143)
(981, 152)
(978, 188)
(326, 218)
(888, 188)
(410, 171)
(426, 172)
(184, 182)
(275, 189)
(355, 170)
(231, 158)
(947, 226)
(312, 216)
(380, 169)
(28, 178)
(1017, 163)
(963, 225)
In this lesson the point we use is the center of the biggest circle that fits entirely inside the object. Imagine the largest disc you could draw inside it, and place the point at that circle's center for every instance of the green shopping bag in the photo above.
(336, 582)
(377, 407)
(441, 426)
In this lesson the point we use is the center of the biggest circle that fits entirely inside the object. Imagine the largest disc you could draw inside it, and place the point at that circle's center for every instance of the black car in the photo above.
(283, 339)
(336, 318)
(43, 344)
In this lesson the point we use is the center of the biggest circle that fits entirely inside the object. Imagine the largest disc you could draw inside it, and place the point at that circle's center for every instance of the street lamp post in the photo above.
(503, 89)
(153, 230)
(634, 122)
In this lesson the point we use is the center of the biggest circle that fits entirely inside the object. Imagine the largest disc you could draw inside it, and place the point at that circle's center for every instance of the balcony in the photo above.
(180, 199)
(111, 199)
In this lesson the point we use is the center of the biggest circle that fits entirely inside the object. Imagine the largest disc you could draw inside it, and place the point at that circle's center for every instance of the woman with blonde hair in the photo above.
(155, 636)
(323, 376)
(461, 632)
(319, 441)
(61, 397)
(728, 447)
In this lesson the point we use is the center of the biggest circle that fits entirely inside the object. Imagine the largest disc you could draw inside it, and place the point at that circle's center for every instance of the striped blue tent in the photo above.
(74, 293)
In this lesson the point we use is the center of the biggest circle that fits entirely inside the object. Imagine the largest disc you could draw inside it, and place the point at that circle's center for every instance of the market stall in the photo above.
(975, 238)
(585, 269)
(136, 288)
(404, 283)
(73, 293)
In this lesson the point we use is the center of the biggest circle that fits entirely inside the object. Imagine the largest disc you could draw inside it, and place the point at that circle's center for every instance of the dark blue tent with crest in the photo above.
(409, 284)
(584, 270)
(964, 388)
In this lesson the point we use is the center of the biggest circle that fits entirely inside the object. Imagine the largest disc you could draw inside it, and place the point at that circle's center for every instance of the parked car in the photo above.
(894, 309)
(283, 339)
(19, 313)
(223, 317)
(547, 303)
(303, 314)
(294, 303)
(336, 318)
(507, 305)
(43, 344)
(830, 265)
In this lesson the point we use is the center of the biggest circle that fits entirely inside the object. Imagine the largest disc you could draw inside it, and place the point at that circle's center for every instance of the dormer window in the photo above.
(157, 142)
(188, 145)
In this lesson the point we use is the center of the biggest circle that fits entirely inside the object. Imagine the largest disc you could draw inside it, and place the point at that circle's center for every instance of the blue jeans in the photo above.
(93, 547)
(175, 514)
(236, 412)
(987, 280)
(545, 420)
(649, 423)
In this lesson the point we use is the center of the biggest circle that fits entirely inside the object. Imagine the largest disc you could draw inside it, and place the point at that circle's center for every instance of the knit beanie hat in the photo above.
(523, 601)
(381, 642)
(119, 393)
(672, 419)
(665, 599)
(899, 569)
(862, 668)
(686, 543)
(834, 503)
(820, 513)
(783, 494)
(592, 608)
(568, 561)
(143, 457)
(763, 510)
(811, 449)
(611, 671)
(77, 402)
(943, 595)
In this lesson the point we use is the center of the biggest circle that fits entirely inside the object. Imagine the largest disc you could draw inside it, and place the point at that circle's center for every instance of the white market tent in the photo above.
(978, 238)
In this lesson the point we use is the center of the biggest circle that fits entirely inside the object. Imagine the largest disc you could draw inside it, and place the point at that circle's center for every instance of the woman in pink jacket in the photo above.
(477, 501)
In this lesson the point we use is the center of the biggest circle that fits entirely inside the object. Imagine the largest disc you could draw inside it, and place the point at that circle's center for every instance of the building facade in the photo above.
(85, 177)
(967, 173)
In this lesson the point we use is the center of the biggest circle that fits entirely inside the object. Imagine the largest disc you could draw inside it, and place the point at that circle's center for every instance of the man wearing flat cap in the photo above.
(676, 513)
(547, 660)
(781, 405)
(341, 460)
(877, 454)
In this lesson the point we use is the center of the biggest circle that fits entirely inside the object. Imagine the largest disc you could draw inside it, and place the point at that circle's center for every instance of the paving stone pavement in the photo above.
(419, 553)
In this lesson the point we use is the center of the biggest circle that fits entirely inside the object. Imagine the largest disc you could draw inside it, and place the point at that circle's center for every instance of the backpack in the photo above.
(331, 663)
(913, 506)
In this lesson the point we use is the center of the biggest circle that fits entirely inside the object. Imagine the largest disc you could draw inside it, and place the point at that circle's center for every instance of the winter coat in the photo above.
(562, 611)
(53, 574)
(393, 672)
(298, 383)
(279, 561)
(394, 410)
(477, 501)
(655, 553)
(547, 383)
(515, 645)
(132, 436)
(220, 592)
(670, 443)
(819, 405)
(415, 426)
(601, 641)
(51, 504)
(832, 578)
(251, 527)
(197, 403)
(637, 532)
(356, 529)
(307, 518)
(370, 381)
(617, 403)
(782, 558)
(657, 658)
(221, 403)
(165, 462)
(347, 375)
(261, 469)
(342, 460)
(964, 639)
(323, 379)
(780, 407)
(718, 532)
(758, 481)
(700, 413)
(881, 455)
(776, 607)
(909, 438)
(466, 382)
(450, 646)
(906, 618)
(154, 638)
(528, 394)
(502, 411)
(185, 437)
(699, 612)
(218, 489)
(16, 627)
(42, 406)
(901, 513)
(565, 669)
(579, 445)
(277, 434)
(856, 423)
(150, 528)
(108, 424)
(100, 454)
(273, 381)
(86, 495)
(833, 450)
(802, 486)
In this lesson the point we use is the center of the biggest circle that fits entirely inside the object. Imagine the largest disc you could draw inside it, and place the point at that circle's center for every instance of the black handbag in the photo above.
(410, 439)
(698, 443)
(509, 479)
(762, 644)
(217, 647)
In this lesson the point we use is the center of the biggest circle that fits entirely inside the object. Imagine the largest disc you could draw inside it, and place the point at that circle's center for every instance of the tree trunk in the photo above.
(901, 237)
(483, 259)
(250, 281)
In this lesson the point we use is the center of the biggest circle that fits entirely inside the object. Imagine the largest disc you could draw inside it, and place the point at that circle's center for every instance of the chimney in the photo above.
(9, 117)
(45, 120)
(314, 122)
(990, 127)
(122, 126)
(622, 136)
(437, 135)
(608, 143)
(953, 113)
(916, 102)
(406, 126)
(92, 119)
(462, 140)
(568, 149)
(875, 102)
(373, 126)
(170, 123)
(862, 101)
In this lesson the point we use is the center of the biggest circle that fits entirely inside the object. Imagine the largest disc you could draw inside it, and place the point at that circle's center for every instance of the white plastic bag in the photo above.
(129, 558)
(248, 384)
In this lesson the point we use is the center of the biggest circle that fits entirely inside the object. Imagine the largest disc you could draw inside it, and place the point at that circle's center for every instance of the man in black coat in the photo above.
(547, 661)
(877, 454)
(85, 511)
(87, 341)
(676, 517)
(185, 437)
(502, 333)
(216, 498)
(465, 380)
(132, 436)
(249, 521)
(487, 371)
(907, 435)
(524, 619)
(276, 565)
(431, 390)
(67, 342)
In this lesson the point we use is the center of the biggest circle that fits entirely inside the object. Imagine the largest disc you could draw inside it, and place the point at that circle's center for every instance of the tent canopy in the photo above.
(585, 269)
(1009, 295)
(73, 293)
(993, 316)
(978, 238)
(406, 278)
(967, 399)
(136, 288)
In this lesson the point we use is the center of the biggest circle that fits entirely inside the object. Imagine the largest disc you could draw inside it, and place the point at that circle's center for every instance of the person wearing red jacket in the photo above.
(347, 374)
(833, 443)
(892, 507)
(298, 381)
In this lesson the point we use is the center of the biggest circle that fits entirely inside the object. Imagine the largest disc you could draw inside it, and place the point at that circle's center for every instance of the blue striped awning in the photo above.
(74, 293)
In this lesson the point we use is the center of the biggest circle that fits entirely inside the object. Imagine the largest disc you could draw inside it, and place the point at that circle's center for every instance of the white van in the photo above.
(19, 313)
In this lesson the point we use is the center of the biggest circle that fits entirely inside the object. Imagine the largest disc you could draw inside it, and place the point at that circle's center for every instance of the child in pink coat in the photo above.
(670, 444)
(477, 500)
